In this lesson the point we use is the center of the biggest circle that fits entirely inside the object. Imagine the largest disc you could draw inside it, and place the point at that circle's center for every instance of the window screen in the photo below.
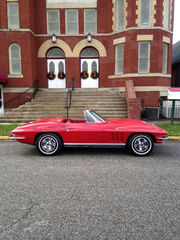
(53, 21)
(15, 59)
(119, 58)
(144, 57)
(167, 15)
(90, 20)
(119, 14)
(13, 15)
(165, 57)
(72, 21)
(145, 12)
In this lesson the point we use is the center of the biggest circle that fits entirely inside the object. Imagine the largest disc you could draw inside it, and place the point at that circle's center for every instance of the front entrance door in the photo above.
(91, 66)
(1, 101)
(56, 66)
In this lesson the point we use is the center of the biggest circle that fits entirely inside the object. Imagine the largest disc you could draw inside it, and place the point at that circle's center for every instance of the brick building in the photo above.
(128, 40)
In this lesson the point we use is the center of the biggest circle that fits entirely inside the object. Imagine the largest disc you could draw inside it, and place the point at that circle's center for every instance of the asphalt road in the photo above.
(89, 194)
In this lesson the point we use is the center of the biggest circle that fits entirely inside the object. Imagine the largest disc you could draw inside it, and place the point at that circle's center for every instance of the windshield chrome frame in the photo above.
(95, 118)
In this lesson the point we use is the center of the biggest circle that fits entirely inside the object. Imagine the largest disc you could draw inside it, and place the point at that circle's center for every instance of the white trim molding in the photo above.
(119, 41)
(166, 40)
(137, 75)
(144, 38)
(15, 76)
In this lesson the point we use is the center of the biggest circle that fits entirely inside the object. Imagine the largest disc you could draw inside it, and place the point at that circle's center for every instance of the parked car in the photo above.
(52, 134)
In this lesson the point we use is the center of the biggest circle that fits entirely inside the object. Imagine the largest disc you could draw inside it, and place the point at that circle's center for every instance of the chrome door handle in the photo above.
(68, 128)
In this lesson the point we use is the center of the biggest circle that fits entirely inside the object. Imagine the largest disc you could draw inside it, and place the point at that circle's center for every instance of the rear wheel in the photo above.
(49, 144)
(140, 144)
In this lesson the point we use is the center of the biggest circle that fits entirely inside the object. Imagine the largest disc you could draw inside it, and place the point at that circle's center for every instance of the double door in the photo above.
(90, 66)
(56, 66)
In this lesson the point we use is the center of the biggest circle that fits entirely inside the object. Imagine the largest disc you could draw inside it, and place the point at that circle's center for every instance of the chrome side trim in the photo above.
(94, 144)
(17, 138)
(165, 138)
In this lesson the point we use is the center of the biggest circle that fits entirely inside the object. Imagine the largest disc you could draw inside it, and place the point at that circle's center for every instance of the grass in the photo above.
(5, 130)
(173, 130)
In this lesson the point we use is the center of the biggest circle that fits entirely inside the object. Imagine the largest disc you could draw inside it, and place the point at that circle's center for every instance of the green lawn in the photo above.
(173, 130)
(5, 130)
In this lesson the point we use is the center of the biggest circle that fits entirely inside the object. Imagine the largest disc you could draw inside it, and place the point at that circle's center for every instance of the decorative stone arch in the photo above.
(95, 43)
(59, 43)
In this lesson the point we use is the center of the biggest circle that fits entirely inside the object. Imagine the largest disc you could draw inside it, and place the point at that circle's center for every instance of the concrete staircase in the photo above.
(51, 103)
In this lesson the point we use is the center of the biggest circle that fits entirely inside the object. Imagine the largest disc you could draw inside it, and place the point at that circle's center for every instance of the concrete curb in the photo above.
(169, 137)
(4, 138)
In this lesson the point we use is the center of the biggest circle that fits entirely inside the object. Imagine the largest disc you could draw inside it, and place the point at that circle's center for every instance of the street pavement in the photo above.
(94, 194)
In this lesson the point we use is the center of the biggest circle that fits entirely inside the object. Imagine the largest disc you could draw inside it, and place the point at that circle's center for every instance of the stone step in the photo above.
(62, 114)
(51, 103)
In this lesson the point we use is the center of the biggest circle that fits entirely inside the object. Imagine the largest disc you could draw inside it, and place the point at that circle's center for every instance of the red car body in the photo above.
(79, 132)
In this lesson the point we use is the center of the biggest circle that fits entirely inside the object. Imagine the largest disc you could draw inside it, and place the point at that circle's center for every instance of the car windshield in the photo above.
(92, 117)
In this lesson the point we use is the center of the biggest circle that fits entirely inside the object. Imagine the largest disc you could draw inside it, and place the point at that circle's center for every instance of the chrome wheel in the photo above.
(49, 144)
(141, 144)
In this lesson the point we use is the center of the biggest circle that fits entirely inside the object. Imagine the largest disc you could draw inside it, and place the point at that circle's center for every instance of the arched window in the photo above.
(61, 67)
(85, 67)
(51, 67)
(55, 53)
(15, 59)
(89, 52)
(94, 67)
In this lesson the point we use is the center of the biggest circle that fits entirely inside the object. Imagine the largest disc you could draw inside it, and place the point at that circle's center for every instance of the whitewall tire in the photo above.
(49, 144)
(140, 144)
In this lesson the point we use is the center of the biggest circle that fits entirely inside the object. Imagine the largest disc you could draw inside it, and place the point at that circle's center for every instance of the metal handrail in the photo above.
(20, 95)
(69, 97)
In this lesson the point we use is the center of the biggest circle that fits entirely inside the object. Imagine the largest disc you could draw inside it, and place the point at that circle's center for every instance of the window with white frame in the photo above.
(119, 14)
(13, 15)
(165, 57)
(144, 57)
(90, 20)
(146, 11)
(72, 21)
(119, 58)
(53, 21)
(15, 59)
(167, 14)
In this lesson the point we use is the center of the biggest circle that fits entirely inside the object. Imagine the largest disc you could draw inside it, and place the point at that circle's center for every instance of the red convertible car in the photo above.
(52, 134)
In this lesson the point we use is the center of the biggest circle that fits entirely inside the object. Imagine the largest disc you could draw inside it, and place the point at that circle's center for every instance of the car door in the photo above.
(113, 134)
(85, 133)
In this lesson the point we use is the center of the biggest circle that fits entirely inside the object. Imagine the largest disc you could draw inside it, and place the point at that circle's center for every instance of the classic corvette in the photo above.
(52, 134)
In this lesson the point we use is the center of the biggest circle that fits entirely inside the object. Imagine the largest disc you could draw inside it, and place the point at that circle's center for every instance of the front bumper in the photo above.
(16, 138)
(163, 138)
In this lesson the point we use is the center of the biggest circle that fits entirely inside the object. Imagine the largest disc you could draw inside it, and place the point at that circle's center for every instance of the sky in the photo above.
(176, 36)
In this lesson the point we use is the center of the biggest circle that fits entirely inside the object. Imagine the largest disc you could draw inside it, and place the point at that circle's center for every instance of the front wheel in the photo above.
(49, 144)
(140, 144)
